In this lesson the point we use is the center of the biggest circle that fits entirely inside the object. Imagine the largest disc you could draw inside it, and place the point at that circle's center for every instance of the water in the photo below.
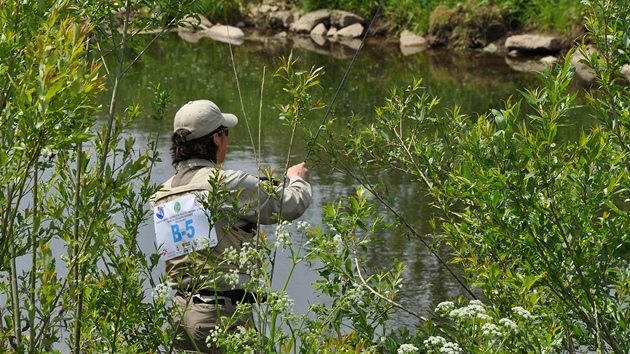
(474, 81)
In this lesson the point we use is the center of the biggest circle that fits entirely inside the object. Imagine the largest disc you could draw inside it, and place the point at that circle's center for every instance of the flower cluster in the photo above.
(491, 330)
(475, 309)
(283, 235)
(437, 344)
(407, 349)
(522, 312)
(161, 293)
(444, 308)
(280, 301)
(355, 294)
(508, 323)
(239, 339)
(231, 277)
(303, 226)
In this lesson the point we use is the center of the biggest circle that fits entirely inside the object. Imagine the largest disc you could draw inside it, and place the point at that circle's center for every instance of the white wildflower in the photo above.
(230, 255)
(303, 225)
(434, 341)
(483, 317)
(407, 349)
(477, 307)
(508, 323)
(522, 312)
(355, 294)
(161, 292)
(450, 348)
(283, 235)
(231, 277)
(444, 307)
(489, 329)
(474, 309)
(280, 301)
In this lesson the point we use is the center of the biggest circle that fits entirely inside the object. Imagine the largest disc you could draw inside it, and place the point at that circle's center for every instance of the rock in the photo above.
(514, 53)
(307, 22)
(264, 8)
(491, 48)
(352, 43)
(625, 71)
(352, 31)
(332, 31)
(282, 19)
(319, 30)
(318, 39)
(308, 44)
(533, 44)
(549, 60)
(411, 43)
(525, 65)
(227, 34)
(189, 36)
(341, 19)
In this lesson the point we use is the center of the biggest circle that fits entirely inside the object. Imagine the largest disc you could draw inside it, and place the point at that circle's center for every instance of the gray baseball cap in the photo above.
(202, 117)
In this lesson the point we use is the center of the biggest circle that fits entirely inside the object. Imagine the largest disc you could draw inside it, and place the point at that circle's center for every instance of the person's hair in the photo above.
(200, 148)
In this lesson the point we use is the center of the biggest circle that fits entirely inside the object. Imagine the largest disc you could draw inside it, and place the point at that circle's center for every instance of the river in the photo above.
(476, 81)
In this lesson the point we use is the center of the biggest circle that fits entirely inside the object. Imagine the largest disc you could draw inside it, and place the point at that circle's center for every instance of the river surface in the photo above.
(475, 81)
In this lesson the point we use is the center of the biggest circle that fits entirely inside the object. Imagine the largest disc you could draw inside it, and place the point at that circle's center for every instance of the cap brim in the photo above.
(229, 120)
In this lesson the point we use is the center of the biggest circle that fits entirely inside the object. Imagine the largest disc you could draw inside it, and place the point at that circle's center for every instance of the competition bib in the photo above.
(181, 227)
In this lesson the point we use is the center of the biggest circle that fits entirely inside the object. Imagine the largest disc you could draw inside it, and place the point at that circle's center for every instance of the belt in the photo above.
(236, 295)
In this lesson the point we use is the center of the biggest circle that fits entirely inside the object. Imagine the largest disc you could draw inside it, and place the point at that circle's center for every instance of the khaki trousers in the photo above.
(199, 317)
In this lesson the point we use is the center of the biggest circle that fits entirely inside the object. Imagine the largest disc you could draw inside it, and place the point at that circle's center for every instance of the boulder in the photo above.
(341, 19)
(319, 30)
(227, 34)
(352, 31)
(352, 43)
(282, 19)
(533, 44)
(411, 43)
(525, 65)
(189, 36)
(549, 60)
(307, 22)
(308, 44)
(625, 71)
(318, 39)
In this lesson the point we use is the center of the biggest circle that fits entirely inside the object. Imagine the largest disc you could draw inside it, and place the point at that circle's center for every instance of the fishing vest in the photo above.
(206, 262)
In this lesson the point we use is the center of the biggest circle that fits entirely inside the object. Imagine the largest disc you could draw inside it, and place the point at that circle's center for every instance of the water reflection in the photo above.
(474, 81)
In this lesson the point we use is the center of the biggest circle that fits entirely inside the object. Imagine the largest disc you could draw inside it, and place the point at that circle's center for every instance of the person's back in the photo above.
(203, 210)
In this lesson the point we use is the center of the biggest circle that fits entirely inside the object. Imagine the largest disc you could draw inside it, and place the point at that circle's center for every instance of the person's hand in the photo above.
(299, 170)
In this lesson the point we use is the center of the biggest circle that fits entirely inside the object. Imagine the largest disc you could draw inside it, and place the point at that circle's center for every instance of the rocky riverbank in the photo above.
(340, 33)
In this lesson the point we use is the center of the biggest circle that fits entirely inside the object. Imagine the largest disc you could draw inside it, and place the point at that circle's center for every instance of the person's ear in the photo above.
(217, 139)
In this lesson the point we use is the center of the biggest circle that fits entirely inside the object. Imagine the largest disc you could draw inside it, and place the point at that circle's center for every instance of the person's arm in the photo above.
(263, 206)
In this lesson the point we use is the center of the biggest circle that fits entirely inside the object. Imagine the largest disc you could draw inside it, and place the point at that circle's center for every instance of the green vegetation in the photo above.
(538, 227)
(536, 224)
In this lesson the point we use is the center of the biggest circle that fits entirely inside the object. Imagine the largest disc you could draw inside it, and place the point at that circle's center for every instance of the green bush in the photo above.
(536, 223)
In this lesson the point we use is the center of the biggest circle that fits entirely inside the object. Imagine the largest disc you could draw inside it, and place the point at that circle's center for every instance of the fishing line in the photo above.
(343, 80)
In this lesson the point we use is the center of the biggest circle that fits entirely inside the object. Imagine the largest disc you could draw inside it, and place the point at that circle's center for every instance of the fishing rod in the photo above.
(343, 80)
